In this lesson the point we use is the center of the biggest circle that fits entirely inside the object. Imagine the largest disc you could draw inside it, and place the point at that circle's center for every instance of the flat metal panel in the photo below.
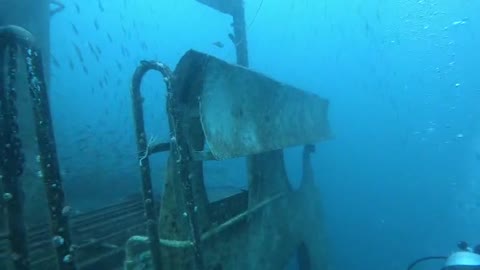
(244, 112)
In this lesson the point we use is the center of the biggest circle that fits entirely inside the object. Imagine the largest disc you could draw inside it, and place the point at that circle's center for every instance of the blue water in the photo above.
(399, 180)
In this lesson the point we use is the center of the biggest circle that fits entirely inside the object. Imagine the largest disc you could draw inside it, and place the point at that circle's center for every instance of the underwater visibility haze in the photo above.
(399, 177)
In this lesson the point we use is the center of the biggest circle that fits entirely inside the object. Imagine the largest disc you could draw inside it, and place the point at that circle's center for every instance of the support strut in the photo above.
(12, 38)
(12, 159)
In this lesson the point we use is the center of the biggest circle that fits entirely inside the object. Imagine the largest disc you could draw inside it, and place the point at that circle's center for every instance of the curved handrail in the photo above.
(180, 152)
(144, 152)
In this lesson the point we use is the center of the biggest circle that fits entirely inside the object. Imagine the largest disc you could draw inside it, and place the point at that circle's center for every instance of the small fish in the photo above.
(72, 66)
(125, 52)
(109, 38)
(100, 6)
(77, 7)
(144, 46)
(79, 52)
(95, 22)
(97, 57)
(74, 28)
(92, 49)
(55, 61)
(85, 69)
(218, 44)
(99, 51)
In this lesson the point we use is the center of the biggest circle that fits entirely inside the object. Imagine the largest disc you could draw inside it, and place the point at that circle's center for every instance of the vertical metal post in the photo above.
(12, 159)
(15, 36)
(48, 160)
(239, 37)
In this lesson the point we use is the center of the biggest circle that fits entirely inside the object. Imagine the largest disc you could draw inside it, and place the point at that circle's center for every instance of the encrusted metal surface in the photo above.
(266, 226)
(244, 112)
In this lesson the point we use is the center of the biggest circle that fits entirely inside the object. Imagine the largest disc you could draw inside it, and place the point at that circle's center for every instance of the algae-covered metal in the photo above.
(11, 167)
(211, 102)
(244, 112)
